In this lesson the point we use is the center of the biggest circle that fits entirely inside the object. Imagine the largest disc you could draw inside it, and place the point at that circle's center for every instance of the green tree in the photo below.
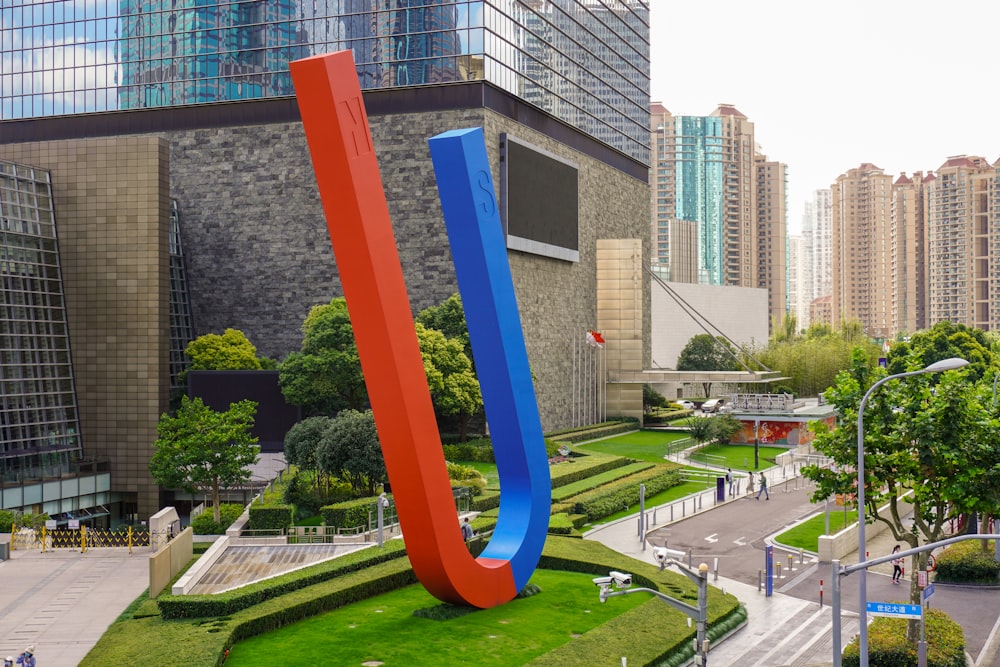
(700, 429)
(724, 427)
(926, 436)
(707, 353)
(302, 442)
(449, 318)
(350, 450)
(652, 398)
(452, 382)
(943, 341)
(199, 448)
(325, 375)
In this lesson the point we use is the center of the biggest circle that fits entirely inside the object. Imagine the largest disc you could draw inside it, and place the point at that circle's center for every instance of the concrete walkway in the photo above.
(63, 601)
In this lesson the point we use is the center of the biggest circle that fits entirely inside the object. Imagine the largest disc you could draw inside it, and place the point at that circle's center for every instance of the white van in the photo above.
(713, 404)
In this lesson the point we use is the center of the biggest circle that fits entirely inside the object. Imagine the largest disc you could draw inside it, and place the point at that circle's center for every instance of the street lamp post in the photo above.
(936, 367)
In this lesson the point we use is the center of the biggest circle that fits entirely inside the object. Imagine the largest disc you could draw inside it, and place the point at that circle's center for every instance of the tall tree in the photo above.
(302, 443)
(200, 448)
(707, 353)
(449, 318)
(350, 450)
(926, 438)
(325, 375)
(452, 382)
(943, 341)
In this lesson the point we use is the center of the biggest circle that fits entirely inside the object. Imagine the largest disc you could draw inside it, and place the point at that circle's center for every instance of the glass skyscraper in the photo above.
(586, 62)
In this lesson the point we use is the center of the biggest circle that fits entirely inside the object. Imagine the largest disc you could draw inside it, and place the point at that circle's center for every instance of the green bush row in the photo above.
(394, 575)
(271, 517)
(560, 524)
(595, 433)
(205, 524)
(665, 416)
(596, 481)
(348, 514)
(488, 501)
(222, 604)
(968, 563)
(630, 422)
(583, 467)
(624, 493)
(480, 450)
(887, 643)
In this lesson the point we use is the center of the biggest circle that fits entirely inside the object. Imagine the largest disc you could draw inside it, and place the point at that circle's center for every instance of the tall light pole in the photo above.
(936, 367)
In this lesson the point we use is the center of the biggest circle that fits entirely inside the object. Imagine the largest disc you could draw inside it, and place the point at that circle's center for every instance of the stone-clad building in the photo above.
(237, 178)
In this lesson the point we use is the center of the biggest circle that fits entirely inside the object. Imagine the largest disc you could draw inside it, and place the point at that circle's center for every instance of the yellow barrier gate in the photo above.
(82, 539)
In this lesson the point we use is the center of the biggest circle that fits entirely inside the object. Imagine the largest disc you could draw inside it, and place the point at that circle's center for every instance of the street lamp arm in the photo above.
(682, 607)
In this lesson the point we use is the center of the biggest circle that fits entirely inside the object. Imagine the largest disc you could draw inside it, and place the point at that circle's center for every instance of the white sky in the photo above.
(828, 86)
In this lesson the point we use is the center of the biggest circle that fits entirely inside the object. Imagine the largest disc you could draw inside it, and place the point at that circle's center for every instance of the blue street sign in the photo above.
(894, 609)
(928, 592)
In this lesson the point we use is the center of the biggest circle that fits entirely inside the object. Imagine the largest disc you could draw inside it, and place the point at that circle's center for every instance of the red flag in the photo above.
(594, 338)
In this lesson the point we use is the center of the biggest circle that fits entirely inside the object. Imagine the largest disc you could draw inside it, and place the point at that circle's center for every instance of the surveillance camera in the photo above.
(603, 582)
(662, 554)
(622, 580)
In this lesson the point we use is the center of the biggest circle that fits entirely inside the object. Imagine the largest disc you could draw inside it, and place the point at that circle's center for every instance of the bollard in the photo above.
(671, 513)
(801, 555)
(654, 515)
(760, 576)
(791, 566)
(716, 568)
(777, 564)
(820, 592)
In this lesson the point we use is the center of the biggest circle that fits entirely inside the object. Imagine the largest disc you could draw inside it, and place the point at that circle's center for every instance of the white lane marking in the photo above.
(740, 541)
(712, 538)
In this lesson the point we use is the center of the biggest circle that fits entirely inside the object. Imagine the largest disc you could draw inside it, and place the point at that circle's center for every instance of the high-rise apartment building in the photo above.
(822, 243)
(167, 121)
(862, 199)
(908, 245)
(799, 277)
(960, 214)
(707, 169)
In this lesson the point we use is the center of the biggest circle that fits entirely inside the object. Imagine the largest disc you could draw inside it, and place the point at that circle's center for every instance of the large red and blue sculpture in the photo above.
(364, 246)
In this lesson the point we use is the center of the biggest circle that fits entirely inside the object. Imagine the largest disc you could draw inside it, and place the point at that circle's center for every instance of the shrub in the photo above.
(270, 517)
(966, 562)
(468, 477)
(349, 514)
(204, 523)
(887, 643)
(479, 450)
(6, 521)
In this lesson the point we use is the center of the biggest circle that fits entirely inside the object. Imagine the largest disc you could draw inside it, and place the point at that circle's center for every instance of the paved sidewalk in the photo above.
(63, 601)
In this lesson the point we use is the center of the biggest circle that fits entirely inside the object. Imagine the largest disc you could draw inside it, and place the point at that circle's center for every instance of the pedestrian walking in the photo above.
(763, 487)
(897, 566)
(27, 659)
(467, 532)
(750, 482)
(730, 481)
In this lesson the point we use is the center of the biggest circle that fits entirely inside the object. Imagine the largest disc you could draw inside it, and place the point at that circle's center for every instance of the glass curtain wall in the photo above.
(39, 426)
(585, 62)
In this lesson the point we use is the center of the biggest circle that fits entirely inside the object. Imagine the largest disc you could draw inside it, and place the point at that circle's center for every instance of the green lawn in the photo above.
(639, 445)
(738, 457)
(488, 470)
(385, 629)
(806, 534)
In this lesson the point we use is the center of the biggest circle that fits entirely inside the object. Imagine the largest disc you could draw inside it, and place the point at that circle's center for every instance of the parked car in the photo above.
(687, 405)
(713, 405)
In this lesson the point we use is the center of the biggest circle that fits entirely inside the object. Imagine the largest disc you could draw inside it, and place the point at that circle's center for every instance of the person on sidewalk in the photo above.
(27, 659)
(763, 487)
(897, 566)
(730, 480)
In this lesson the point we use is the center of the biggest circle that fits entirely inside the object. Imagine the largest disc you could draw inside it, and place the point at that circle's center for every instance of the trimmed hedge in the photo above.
(610, 498)
(887, 643)
(598, 480)
(223, 604)
(271, 517)
(967, 563)
(596, 433)
(348, 514)
(583, 467)
(479, 450)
